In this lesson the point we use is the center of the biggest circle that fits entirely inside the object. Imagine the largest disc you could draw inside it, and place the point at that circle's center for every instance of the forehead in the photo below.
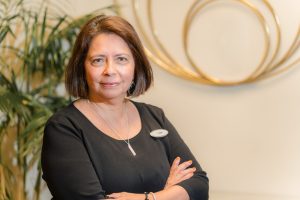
(108, 42)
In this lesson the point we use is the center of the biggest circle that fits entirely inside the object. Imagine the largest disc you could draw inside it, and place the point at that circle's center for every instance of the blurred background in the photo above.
(246, 136)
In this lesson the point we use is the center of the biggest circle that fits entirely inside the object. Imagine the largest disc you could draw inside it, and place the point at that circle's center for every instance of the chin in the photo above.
(113, 95)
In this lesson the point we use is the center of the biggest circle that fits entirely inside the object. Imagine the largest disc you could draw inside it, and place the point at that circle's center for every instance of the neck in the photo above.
(115, 113)
(109, 117)
(114, 106)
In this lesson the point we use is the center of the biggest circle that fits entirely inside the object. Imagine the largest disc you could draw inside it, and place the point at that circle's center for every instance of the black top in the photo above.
(81, 162)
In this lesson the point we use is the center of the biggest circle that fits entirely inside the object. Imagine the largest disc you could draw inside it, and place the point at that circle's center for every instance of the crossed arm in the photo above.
(63, 148)
(178, 173)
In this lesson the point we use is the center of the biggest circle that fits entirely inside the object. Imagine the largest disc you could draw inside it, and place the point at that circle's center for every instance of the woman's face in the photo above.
(109, 67)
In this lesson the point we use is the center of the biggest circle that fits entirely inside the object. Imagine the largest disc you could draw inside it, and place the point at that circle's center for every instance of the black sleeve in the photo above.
(197, 186)
(66, 166)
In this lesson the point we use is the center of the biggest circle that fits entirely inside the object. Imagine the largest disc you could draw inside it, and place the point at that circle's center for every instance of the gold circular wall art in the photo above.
(270, 64)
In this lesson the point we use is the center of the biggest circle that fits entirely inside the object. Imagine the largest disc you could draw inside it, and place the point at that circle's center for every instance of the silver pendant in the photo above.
(131, 149)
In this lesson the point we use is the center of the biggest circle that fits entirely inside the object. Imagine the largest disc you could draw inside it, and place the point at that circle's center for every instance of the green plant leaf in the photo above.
(35, 46)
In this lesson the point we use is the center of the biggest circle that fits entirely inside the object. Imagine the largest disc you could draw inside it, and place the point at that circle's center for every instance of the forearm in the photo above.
(173, 192)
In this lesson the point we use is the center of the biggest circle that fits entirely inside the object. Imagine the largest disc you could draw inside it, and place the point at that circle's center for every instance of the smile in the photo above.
(109, 84)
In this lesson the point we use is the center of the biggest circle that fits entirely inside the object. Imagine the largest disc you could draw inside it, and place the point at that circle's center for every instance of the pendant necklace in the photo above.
(112, 129)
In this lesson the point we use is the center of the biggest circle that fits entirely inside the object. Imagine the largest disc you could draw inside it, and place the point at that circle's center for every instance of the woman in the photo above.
(104, 145)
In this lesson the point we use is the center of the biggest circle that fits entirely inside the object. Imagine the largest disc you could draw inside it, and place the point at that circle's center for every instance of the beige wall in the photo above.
(246, 137)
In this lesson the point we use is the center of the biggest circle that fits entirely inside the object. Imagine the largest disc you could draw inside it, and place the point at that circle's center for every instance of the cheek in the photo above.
(131, 73)
(90, 77)
(90, 73)
(127, 73)
(128, 77)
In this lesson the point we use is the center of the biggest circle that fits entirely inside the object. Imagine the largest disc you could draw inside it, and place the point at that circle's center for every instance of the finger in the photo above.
(184, 165)
(114, 195)
(183, 173)
(175, 164)
(187, 176)
(188, 170)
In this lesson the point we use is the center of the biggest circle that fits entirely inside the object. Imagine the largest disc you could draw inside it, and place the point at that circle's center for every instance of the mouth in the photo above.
(109, 84)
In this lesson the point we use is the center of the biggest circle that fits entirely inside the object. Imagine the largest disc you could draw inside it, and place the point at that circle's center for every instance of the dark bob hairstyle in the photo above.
(75, 79)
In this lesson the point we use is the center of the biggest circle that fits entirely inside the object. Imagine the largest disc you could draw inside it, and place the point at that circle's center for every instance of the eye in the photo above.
(98, 61)
(122, 59)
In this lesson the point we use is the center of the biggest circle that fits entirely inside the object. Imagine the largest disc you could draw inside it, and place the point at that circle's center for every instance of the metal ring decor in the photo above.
(270, 64)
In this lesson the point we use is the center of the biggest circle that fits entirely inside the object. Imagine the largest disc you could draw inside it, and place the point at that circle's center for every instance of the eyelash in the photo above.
(100, 61)
(122, 59)
(97, 61)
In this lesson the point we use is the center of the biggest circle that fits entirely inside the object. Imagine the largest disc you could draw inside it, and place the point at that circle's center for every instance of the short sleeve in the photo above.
(66, 165)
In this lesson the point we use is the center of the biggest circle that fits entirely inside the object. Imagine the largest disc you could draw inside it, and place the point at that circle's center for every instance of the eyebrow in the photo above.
(96, 55)
(103, 55)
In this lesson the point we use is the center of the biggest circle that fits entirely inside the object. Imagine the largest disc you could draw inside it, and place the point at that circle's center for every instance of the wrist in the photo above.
(146, 195)
(153, 196)
(150, 196)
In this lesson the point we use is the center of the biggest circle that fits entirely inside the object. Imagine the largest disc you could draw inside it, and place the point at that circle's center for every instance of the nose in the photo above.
(109, 68)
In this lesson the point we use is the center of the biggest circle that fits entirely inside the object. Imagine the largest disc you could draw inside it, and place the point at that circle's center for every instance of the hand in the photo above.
(179, 172)
(126, 196)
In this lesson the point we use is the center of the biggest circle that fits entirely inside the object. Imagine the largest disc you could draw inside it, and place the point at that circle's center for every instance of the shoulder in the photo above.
(63, 115)
(148, 108)
(151, 113)
(66, 121)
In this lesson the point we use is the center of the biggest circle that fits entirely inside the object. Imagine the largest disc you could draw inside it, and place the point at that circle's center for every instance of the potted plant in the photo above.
(35, 46)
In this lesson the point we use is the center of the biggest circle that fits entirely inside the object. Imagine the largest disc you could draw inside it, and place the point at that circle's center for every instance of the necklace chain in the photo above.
(111, 127)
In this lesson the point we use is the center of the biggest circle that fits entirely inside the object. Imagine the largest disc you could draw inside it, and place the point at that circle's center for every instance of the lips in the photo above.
(109, 84)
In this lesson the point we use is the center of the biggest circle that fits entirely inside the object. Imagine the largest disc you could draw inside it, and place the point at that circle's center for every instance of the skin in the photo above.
(178, 173)
(109, 68)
